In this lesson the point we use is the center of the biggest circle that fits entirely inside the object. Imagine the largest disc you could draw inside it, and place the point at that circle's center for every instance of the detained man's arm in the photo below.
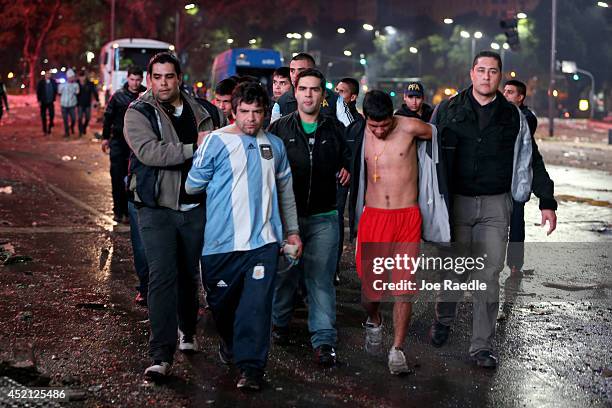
(202, 168)
(416, 127)
(286, 200)
(342, 112)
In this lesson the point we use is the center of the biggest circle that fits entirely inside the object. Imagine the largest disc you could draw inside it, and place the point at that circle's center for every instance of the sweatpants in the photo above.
(240, 287)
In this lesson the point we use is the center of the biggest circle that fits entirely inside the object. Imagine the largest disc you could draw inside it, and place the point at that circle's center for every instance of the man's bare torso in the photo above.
(392, 169)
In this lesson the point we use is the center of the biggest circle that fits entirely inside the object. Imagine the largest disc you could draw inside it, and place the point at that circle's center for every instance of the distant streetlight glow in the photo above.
(341, 30)
(513, 74)
(464, 34)
(602, 4)
(297, 36)
(583, 105)
(506, 46)
(42, 72)
(495, 46)
(308, 35)
(289, 35)
(413, 50)
(448, 21)
(390, 30)
(477, 34)
(10, 75)
(189, 6)
(368, 27)
(230, 40)
(348, 53)
(89, 56)
(252, 41)
(521, 16)
(555, 93)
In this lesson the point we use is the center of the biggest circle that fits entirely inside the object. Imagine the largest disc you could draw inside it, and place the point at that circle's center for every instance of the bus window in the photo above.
(136, 57)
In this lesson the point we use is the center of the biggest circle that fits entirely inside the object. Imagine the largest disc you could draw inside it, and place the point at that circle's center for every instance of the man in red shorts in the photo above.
(385, 177)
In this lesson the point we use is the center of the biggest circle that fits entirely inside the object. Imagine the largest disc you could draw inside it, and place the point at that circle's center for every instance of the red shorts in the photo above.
(384, 234)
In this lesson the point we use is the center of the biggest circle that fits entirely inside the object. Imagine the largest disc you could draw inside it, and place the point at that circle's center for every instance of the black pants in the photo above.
(173, 245)
(119, 159)
(516, 244)
(44, 108)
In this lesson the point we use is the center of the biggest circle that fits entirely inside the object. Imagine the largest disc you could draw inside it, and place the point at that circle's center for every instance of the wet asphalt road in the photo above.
(69, 312)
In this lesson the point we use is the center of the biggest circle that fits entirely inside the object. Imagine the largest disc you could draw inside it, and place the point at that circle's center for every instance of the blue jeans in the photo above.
(341, 197)
(319, 235)
(69, 112)
(140, 259)
(173, 245)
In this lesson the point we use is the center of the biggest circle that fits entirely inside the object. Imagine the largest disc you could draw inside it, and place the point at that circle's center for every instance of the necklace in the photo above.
(376, 177)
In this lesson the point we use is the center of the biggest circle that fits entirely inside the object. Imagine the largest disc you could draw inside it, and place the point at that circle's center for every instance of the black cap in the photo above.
(414, 89)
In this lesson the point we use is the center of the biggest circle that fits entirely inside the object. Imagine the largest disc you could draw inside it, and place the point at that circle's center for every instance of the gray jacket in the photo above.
(166, 154)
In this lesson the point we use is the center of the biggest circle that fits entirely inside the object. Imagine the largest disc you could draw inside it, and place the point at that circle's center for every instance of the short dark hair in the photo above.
(377, 105)
(302, 56)
(134, 70)
(352, 83)
(250, 92)
(281, 72)
(487, 54)
(226, 86)
(165, 58)
(310, 72)
(520, 86)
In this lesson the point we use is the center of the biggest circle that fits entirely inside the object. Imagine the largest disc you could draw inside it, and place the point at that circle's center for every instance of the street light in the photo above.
(506, 46)
(252, 41)
(230, 40)
(413, 50)
(448, 21)
(521, 16)
(368, 27)
(495, 46)
(478, 34)
(464, 34)
(341, 30)
(348, 53)
(602, 4)
(189, 6)
(308, 35)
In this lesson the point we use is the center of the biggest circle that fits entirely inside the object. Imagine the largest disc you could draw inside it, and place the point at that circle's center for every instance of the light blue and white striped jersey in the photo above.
(239, 174)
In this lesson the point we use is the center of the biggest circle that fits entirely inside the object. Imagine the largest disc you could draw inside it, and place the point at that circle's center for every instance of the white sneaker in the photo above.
(187, 344)
(158, 371)
(374, 334)
(397, 362)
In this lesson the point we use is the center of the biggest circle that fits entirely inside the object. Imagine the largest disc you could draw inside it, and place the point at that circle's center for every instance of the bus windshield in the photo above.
(136, 57)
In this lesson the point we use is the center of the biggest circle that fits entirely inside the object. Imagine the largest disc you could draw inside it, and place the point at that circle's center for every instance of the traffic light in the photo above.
(509, 25)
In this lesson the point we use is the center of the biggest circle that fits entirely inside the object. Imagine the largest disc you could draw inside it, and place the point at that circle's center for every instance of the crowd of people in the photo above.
(218, 193)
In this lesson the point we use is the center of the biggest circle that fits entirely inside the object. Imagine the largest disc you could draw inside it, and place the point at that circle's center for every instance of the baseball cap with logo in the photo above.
(414, 89)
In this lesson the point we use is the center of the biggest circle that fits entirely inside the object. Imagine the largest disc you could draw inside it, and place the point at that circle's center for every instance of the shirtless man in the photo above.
(387, 148)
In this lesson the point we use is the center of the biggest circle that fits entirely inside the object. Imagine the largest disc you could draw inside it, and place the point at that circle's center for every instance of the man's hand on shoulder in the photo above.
(201, 136)
(551, 217)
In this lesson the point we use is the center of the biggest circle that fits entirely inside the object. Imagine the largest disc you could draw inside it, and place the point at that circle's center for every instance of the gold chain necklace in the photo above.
(376, 156)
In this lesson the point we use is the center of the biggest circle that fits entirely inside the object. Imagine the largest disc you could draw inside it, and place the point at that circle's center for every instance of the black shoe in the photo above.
(439, 334)
(225, 355)
(325, 355)
(250, 380)
(280, 335)
(485, 359)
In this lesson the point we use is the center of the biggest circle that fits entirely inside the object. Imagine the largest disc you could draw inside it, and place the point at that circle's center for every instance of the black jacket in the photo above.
(115, 112)
(314, 174)
(484, 155)
(86, 91)
(425, 117)
(41, 90)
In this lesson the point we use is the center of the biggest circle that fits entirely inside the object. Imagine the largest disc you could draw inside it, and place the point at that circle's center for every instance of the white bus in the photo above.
(116, 56)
